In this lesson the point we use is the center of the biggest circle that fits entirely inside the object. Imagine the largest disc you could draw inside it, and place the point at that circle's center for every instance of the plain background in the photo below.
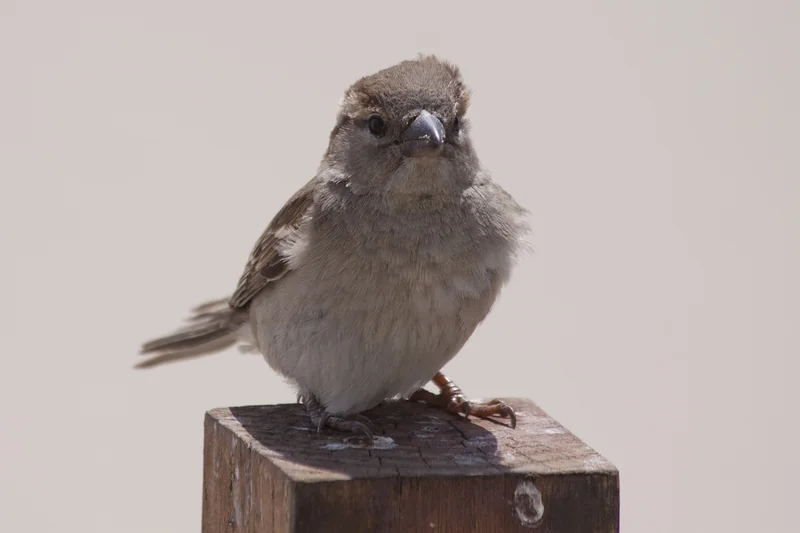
(143, 149)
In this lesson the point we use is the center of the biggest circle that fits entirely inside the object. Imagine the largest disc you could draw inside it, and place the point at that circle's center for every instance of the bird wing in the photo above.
(268, 262)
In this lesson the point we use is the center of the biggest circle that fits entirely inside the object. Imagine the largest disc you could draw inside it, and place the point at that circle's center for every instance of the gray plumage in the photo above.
(376, 272)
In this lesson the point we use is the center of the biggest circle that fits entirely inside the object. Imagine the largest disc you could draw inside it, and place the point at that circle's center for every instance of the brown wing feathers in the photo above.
(266, 263)
(213, 324)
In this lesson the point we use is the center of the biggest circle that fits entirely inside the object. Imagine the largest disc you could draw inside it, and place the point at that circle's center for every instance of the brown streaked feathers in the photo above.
(266, 263)
(213, 325)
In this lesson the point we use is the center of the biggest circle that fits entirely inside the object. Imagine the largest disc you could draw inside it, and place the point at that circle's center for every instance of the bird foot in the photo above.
(452, 400)
(357, 423)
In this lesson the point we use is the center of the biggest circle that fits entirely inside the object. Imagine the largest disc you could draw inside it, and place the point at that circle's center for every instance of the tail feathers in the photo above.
(213, 327)
(209, 348)
(214, 305)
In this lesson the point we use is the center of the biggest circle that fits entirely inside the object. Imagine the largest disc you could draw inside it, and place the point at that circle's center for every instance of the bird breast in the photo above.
(373, 310)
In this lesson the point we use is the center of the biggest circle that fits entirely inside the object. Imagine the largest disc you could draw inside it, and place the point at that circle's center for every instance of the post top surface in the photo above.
(413, 440)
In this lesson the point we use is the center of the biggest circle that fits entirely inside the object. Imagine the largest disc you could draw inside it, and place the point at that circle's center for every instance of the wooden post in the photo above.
(267, 471)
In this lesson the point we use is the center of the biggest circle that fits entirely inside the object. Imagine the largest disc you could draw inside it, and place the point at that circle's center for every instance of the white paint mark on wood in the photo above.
(528, 504)
(481, 441)
(430, 430)
(469, 460)
(378, 443)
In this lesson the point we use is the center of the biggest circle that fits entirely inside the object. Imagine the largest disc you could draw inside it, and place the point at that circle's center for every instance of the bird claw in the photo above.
(492, 408)
(366, 421)
(357, 423)
(351, 425)
(452, 400)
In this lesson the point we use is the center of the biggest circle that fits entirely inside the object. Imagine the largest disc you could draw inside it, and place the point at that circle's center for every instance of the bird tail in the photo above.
(213, 326)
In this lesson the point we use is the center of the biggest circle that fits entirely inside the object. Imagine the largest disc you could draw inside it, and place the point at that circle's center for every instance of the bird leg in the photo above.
(452, 400)
(351, 424)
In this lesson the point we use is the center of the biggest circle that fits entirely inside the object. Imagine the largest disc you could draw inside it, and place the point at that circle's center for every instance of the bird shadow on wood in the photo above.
(412, 439)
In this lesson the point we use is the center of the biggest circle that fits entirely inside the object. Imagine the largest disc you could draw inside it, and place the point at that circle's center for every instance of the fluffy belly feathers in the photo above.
(353, 341)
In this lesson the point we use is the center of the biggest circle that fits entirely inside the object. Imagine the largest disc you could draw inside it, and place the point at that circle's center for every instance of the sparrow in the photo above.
(379, 269)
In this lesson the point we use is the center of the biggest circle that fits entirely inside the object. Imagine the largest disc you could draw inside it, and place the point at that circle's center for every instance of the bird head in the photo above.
(404, 127)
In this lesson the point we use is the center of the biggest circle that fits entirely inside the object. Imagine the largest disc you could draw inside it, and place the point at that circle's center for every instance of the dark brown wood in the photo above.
(267, 471)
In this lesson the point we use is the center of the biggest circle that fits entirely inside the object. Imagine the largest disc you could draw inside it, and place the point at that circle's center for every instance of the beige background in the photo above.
(144, 148)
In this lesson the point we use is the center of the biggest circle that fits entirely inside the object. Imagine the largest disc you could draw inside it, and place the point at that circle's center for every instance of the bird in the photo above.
(377, 271)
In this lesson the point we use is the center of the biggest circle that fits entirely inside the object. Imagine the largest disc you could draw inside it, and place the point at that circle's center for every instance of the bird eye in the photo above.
(376, 125)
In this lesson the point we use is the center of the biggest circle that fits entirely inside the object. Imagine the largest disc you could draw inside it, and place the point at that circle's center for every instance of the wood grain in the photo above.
(266, 470)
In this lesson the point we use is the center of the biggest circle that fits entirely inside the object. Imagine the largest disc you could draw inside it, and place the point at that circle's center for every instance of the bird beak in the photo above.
(424, 136)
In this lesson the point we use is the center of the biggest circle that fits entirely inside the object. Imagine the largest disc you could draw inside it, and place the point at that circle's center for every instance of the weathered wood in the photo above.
(267, 471)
